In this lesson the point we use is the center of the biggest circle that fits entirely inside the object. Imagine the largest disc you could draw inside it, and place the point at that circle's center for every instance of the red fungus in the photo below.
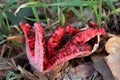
(34, 44)
(56, 37)
(46, 60)
(92, 24)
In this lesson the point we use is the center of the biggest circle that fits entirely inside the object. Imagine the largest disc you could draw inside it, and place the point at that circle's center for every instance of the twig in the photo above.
(5, 68)
(3, 50)
(54, 22)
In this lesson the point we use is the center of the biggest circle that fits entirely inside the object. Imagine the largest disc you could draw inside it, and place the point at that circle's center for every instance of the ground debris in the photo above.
(81, 72)
(113, 48)
(101, 66)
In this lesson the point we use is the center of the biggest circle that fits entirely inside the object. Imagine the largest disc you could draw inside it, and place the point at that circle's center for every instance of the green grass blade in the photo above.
(45, 13)
(31, 19)
(35, 12)
(10, 2)
(2, 42)
(9, 75)
(110, 4)
(62, 18)
(100, 13)
(75, 3)
(1, 20)
(7, 23)
(8, 5)
(76, 12)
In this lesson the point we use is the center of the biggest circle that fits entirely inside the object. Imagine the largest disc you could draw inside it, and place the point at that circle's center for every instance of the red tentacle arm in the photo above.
(34, 44)
(69, 51)
(57, 35)
(29, 37)
(92, 24)
(73, 48)
(39, 46)
(87, 34)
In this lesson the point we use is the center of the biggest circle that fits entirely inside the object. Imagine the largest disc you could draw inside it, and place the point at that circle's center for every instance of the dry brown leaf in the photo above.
(84, 70)
(117, 10)
(19, 38)
(113, 60)
(23, 6)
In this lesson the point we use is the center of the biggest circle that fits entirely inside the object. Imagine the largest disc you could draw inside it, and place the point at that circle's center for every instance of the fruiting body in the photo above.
(56, 52)
(34, 44)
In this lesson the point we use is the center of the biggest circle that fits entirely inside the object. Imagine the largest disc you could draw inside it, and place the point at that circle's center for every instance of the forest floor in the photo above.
(101, 64)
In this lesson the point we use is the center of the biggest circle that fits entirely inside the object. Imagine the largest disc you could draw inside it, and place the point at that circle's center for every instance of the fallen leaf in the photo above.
(113, 48)
(84, 70)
